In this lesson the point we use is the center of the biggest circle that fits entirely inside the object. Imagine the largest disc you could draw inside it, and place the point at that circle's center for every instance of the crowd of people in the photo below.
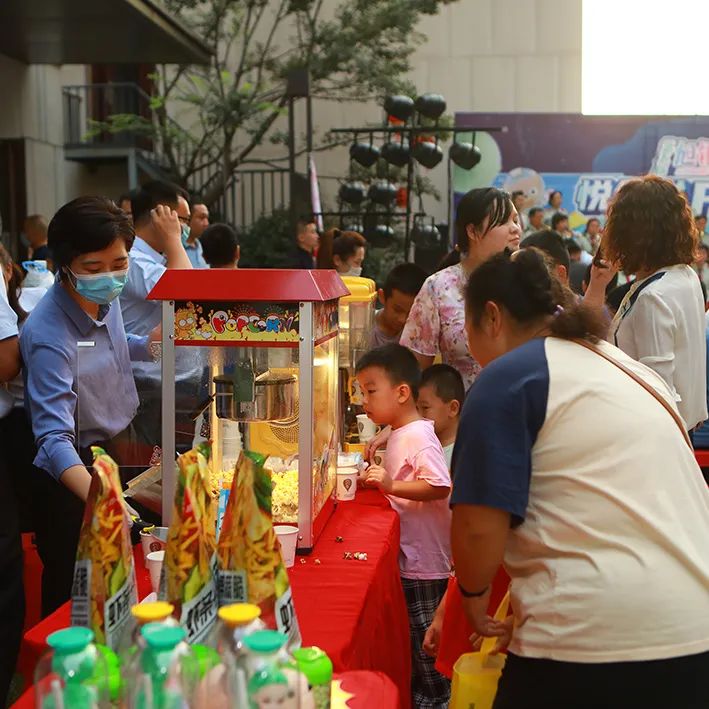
(481, 375)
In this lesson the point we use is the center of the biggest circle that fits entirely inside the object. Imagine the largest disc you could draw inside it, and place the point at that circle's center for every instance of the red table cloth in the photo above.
(354, 610)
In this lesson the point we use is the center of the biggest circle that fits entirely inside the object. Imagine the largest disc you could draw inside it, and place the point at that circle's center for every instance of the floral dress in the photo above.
(436, 323)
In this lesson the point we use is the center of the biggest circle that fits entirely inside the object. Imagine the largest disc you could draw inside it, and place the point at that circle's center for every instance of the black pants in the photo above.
(677, 683)
(12, 592)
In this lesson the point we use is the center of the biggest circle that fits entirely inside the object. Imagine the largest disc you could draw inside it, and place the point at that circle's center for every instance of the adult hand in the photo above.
(602, 273)
(167, 226)
(378, 477)
(379, 441)
(502, 641)
(483, 624)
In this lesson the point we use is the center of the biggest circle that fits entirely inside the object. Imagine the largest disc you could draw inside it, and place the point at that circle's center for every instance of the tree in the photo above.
(209, 120)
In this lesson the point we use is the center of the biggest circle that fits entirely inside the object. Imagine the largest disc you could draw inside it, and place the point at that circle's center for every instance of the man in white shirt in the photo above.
(198, 222)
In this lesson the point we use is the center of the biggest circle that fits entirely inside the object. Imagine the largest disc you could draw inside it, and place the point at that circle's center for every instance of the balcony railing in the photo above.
(87, 107)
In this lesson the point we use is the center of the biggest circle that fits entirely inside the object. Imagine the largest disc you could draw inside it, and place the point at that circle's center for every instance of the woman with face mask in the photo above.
(342, 250)
(79, 385)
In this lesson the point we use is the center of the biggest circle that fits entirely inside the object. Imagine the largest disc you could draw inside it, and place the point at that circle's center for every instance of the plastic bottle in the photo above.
(164, 673)
(272, 677)
(317, 668)
(73, 674)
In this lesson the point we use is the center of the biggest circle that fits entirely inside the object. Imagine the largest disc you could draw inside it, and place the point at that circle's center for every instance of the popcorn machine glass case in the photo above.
(268, 350)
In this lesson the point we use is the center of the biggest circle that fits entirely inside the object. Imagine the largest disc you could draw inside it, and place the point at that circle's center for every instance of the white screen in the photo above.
(645, 57)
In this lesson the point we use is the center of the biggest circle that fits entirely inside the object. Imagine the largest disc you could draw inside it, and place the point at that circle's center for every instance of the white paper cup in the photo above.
(366, 428)
(378, 457)
(288, 537)
(346, 484)
(154, 562)
(156, 540)
(145, 539)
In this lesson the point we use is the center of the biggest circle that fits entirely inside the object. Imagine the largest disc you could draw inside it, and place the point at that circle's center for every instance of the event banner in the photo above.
(585, 157)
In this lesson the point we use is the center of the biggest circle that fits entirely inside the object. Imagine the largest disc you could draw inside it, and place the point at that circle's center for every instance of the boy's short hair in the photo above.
(407, 278)
(397, 361)
(446, 382)
(558, 218)
(219, 244)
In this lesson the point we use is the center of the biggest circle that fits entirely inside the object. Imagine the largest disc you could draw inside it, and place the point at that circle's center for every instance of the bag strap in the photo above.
(648, 388)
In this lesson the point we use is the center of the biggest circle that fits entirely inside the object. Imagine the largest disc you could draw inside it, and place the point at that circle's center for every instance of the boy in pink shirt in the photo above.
(416, 480)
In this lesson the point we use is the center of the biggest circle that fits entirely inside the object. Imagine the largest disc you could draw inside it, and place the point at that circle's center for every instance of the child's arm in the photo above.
(418, 490)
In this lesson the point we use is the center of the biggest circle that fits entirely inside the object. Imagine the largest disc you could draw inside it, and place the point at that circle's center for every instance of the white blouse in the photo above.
(661, 323)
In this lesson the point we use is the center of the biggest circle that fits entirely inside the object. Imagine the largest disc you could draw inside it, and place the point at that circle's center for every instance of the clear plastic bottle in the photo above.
(164, 673)
(317, 668)
(224, 686)
(73, 673)
(273, 678)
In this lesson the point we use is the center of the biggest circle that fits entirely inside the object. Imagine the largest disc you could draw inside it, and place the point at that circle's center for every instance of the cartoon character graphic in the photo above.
(185, 322)
(524, 179)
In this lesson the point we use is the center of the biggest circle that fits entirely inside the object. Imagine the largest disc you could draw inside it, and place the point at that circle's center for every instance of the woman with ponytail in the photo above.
(603, 534)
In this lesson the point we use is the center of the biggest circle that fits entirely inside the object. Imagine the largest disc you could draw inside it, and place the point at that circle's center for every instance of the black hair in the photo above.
(407, 278)
(550, 243)
(127, 197)
(446, 382)
(517, 193)
(703, 247)
(700, 216)
(151, 194)
(476, 206)
(84, 225)
(399, 364)
(14, 285)
(553, 192)
(525, 287)
(220, 244)
(557, 219)
(534, 210)
(346, 243)
(592, 219)
(572, 246)
(450, 259)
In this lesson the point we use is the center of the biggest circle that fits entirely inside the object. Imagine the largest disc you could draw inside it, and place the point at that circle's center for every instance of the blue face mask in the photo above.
(100, 288)
(185, 235)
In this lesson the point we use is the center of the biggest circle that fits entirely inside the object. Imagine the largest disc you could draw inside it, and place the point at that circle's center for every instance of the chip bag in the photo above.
(189, 578)
(104, 588)
(251, 569)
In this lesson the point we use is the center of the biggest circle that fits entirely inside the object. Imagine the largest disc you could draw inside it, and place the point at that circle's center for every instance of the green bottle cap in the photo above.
(162, 637)
(206, 657)
(113, 668)
(314, 664)
(70, 639)
(265, 641)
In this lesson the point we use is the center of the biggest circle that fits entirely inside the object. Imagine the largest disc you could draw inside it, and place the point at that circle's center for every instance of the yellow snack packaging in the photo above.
(104, 588)
(251, 569)
(189, 579)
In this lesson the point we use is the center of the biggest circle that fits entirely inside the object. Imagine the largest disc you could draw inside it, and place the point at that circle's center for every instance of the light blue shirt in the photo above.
(79, 386)
(140, 315)
(195, 255)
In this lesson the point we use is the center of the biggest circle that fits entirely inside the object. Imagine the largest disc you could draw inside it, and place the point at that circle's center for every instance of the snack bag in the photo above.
(190, 571)
(104, 588)
(251, 569)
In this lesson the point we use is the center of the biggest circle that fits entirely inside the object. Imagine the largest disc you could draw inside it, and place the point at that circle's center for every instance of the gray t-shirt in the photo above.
(379, 338)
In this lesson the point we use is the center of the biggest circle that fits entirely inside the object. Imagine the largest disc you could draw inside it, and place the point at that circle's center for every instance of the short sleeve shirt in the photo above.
(414, 453)
(609, 527)
(436, 323)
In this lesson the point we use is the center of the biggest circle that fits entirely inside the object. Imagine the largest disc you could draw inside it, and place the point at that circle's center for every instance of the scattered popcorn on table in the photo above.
(302, 561)
(317, 562)
(339, 540)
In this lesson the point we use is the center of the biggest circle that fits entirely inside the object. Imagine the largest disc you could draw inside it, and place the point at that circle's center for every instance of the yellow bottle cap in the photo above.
(239, 613)
(152, 612)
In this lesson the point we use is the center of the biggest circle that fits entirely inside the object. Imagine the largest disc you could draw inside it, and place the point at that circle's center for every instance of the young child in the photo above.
(417, 482)
(440, 399)
(400, 290)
